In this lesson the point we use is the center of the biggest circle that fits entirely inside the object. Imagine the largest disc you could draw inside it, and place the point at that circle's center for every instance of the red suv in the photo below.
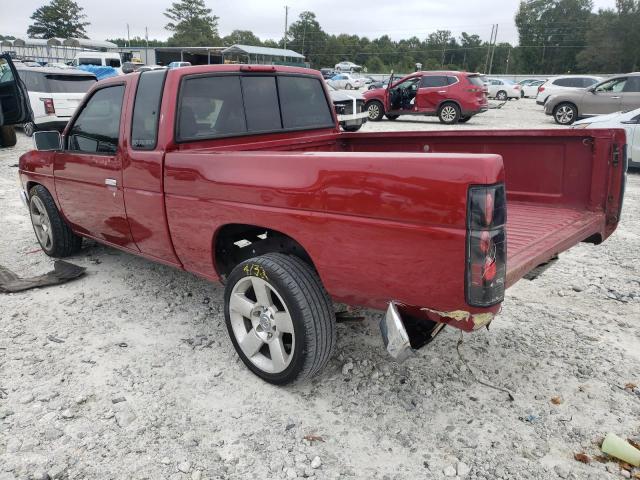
(451, 96)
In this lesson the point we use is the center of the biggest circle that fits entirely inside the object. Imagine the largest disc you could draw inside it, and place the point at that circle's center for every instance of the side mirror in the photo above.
(47, 141)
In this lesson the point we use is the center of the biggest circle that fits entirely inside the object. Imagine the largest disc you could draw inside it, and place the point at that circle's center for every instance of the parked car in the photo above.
(349, 109)
(345, 81)
(130, 67)
(555, 85)
(502, 89)
(529, 88)
(629, 121)
(61, 65)
(54, 95)
(179, 64)
(328, 73)
(347, 67)
(14, 101)
(612, 95)
(378, 84)
(451, 96)
(100, 59)
(148, 68)
(249, 180)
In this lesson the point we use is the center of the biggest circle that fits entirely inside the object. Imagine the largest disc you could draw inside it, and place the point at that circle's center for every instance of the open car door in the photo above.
(14, 100)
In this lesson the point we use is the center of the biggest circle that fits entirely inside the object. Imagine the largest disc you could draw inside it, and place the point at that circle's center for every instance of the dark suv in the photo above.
(451, 96)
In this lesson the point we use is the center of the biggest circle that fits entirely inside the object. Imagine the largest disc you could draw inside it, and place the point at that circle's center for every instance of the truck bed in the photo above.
(537, 232)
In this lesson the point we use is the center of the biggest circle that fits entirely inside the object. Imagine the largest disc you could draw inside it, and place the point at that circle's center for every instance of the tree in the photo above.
(192, 24)
(305, 36)
(241, 37)
(60, 18)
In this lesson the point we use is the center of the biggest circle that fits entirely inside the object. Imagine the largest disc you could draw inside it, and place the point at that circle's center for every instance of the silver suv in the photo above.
(619, 93)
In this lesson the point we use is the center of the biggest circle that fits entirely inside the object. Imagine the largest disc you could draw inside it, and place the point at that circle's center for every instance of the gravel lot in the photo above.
(128, 372)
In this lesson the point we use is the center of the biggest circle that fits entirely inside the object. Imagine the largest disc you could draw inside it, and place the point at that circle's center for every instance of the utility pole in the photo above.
(506, 70)
(493, 51)
(128, 37)
(286, 24)
(146, 51)
(486, 61)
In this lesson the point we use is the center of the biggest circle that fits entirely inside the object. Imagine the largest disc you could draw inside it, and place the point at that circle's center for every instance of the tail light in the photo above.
(486, 245)
(49, 109)
(540, 89)
(517, 87)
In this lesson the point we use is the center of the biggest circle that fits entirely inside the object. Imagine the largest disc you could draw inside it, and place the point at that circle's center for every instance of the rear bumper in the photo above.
(539, 102)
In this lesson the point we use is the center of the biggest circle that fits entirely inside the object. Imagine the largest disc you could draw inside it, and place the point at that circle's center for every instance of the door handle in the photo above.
(442, 91)
(110, 182)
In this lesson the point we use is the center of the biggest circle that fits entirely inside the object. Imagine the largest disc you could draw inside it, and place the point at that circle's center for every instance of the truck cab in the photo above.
(454, 97)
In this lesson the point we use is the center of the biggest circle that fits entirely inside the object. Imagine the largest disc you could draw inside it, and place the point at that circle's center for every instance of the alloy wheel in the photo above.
(448, 113)
(374, 111)
(564, 114)
(41, 223)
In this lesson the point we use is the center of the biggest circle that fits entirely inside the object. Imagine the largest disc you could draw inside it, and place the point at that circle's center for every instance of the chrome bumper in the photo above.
(24, 198)
(395, 336)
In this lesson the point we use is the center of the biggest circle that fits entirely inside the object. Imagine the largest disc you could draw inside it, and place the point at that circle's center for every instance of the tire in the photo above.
(501, 95)
(291, 291)
(53, 234)
(348, 86)
(449, 113)
(392, 117)
(464, 119)
(565, 113)
(375, 110)
(371, 87)
(352, 128)
(8, 136)
(29, 129)
(521, 93)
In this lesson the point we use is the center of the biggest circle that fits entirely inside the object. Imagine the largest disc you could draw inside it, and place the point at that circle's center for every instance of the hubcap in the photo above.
(41, 223)
(262, 324)
(564, 114)
(502, 96)
(448, 114)
(374, 111)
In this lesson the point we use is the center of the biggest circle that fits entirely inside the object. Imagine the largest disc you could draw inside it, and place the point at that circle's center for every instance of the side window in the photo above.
(432, 81)
(451, 80)
(146, 110)
(587, 82)
(90, 61)
(615, 85)
(261, 104)
(210, 107)
(562, 82)
(633, 85)
(97, 128)
(113, 62)
(303, 103)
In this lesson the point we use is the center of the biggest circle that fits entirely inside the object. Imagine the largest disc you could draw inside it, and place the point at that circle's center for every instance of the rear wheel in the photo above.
(392, 117)
(348, 86)
(565, 114)
(352, 128)
(279, 317)
(53, 234)
(449, 113)
(464, 119)
(29, 129)
(501, 95)
(375, 109)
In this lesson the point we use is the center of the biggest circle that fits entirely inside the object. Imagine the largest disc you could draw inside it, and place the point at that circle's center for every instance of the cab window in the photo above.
(97, 128)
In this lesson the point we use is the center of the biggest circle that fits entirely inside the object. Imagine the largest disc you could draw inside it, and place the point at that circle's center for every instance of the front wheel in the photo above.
(464, 119)
(53, 234)
(375, 111)
(565, 114)
(449, 113)
(501, 95)
(279, 317)
(352, 128)
(392, 117)
(29, 129)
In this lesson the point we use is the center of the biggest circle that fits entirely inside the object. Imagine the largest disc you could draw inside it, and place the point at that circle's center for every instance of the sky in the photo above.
(372, 18)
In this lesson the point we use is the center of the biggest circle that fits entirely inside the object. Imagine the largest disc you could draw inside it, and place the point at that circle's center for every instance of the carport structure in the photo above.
(262, 55)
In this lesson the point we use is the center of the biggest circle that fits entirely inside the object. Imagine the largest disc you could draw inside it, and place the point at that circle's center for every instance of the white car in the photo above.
(347, 67)
(54, 94)
(501, 89)
(529, 88)
(555, 85)
(173, 65)
(345, 81)
(629, 121)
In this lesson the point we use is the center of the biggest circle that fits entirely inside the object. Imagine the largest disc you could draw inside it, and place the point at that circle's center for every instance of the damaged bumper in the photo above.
(403, 333)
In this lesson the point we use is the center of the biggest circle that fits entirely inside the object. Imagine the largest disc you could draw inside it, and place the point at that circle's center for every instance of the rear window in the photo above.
(475, 80)
(69, 83)
(89, 61)
(218, 106)
(569, 82)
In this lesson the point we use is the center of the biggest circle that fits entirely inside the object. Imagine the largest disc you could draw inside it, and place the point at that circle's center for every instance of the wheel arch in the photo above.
(235, 242)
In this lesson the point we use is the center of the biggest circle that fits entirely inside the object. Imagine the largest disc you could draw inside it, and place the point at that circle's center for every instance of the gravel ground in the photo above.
(128, 372)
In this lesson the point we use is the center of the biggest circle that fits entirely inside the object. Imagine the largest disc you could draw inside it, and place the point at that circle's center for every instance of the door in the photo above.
(604, 98)
(88, 173)
(14, 101)
(631, 93)
(434, 89)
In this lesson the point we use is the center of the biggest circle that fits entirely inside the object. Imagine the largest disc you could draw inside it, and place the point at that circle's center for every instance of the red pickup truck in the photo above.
(241, 174)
